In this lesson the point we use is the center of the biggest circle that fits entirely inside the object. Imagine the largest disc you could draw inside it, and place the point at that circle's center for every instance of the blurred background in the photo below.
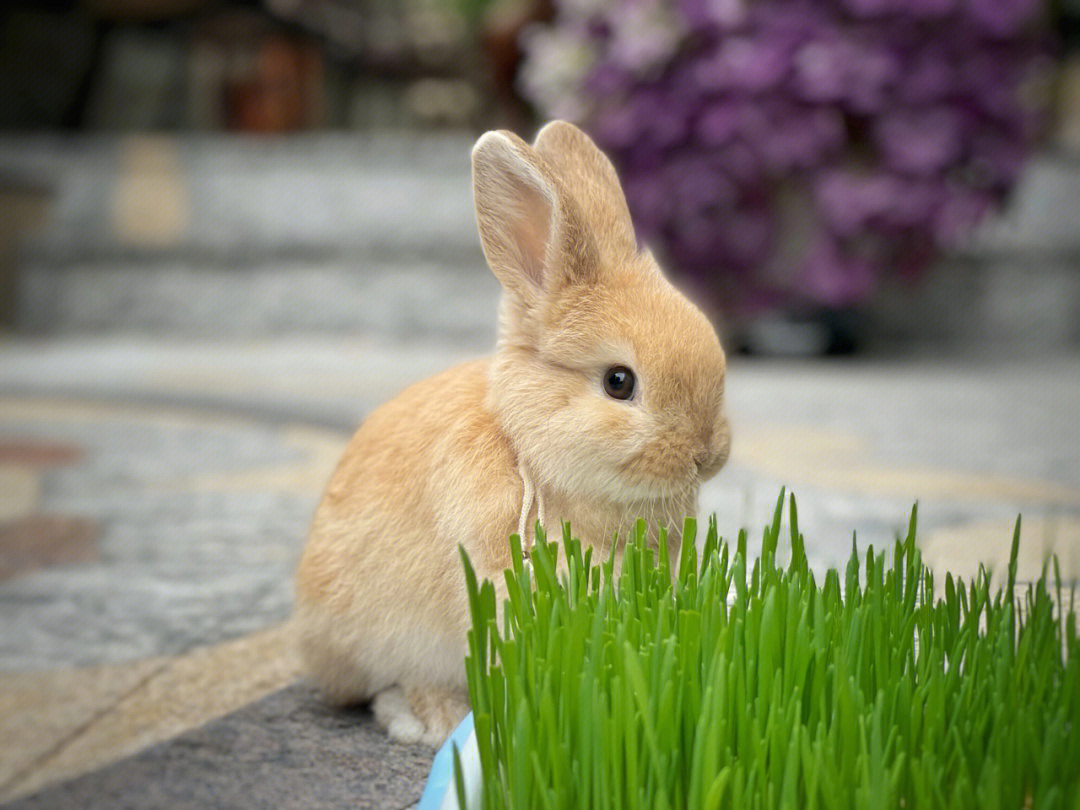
(850, 175)
(229, 230)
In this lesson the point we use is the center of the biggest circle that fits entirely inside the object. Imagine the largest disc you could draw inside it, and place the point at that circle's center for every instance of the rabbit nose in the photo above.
(707, 456)
(704, 456)
(716, 443)
(706, 443)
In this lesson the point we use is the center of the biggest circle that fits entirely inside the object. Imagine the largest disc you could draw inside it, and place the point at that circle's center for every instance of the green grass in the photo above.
(744, 684)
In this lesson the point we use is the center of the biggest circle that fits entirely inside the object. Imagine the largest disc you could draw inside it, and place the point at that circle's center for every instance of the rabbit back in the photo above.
(379, 592)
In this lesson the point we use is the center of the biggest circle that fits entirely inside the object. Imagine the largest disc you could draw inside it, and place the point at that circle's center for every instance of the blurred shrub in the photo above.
(790, 152)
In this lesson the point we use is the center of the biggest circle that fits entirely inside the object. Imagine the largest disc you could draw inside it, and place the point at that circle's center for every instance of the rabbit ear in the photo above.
(526, 223)
(588, 173)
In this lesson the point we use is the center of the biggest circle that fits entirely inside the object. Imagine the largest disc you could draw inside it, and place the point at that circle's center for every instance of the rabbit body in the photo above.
(541, 429)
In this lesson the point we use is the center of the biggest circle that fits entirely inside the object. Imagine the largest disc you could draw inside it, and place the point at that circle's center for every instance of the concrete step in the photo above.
(223, 235)
(374, 233)
(228, 197)
(182, 296)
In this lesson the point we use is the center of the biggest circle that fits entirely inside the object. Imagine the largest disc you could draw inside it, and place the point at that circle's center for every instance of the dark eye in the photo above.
(619, 382)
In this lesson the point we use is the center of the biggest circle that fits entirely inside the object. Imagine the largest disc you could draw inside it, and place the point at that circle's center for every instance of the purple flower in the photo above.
(822, 70)
(837, 67)
(661, 122)
(912, 203)
(828, 276)
(961, 211)
(745, 64)
(723, 14)
(931, 9)
(720, 122)
(795, 138)
(989, 77)
(928, 77)
(695, 183)
(695, 241)
(741, 163)
(1002, 18)
(849, 200)
(869, 8)
(617, 126)
(877, 130)
(872, 72)
(650, 202)
(920, 141)
(644, 34)
(744, 235)
(607, 79)
(996, 159)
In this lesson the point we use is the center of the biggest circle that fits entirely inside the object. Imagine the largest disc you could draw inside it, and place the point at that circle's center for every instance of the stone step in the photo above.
(400, 300)
(224, 235)
(374, 232)
(231, 198)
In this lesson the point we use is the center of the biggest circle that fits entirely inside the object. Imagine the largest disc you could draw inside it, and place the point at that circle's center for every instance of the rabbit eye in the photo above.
(619, 382)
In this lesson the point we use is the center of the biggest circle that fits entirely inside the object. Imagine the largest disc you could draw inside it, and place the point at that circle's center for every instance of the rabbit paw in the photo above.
(425, 715)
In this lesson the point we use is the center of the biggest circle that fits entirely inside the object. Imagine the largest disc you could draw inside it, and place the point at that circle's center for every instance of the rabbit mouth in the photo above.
(636, 486)
(661, 469)
(709, 468)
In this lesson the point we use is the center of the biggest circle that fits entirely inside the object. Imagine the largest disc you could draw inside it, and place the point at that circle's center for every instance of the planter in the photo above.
(730, 682)
(439, 792)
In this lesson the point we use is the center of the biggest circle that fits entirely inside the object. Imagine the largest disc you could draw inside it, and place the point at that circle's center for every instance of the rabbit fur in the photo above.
(488, 447)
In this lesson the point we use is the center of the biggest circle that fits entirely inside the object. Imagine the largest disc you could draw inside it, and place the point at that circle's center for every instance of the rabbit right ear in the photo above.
(525, 221)
(589, 175)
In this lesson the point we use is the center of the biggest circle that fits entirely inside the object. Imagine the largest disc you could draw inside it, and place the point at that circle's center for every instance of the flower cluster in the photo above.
(792, 151)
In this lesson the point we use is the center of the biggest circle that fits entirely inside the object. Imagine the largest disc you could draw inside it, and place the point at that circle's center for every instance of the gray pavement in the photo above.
(197, 465)
(286, 751)
(202, 467)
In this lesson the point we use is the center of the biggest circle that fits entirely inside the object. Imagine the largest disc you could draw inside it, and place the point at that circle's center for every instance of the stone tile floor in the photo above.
(154, 496)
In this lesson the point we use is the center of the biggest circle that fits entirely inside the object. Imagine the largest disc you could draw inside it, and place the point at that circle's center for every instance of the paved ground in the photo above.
(287, 750)
(214, 321)
(152, 519)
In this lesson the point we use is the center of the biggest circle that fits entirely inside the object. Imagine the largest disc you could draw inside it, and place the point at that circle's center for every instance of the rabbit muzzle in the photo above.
(716, 450)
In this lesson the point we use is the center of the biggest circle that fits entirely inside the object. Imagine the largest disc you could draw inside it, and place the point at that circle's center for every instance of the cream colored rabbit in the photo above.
(602, 402)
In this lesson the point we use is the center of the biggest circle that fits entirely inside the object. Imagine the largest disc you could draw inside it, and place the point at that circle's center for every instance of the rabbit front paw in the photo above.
(420, 715)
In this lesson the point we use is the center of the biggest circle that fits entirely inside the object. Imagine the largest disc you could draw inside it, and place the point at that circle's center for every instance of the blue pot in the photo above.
(439, 792)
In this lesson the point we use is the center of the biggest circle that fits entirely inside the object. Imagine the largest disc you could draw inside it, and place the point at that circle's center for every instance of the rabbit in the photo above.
(603, 402)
